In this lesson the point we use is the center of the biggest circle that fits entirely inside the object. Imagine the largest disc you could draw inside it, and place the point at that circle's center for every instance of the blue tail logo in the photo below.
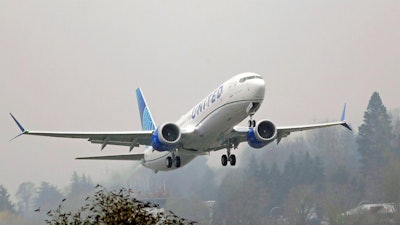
(145, 115)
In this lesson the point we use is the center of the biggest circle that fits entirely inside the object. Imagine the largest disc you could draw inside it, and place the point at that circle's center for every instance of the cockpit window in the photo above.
(249, 78)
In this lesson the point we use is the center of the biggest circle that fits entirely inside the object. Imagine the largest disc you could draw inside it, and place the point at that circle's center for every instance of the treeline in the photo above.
(33, 202)
(324, 175)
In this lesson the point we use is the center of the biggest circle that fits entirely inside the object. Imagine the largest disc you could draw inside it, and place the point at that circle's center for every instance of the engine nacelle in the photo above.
(262, 134)
(166, 137)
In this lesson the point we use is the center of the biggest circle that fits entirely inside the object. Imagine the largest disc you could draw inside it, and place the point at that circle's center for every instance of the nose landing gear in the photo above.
(252, 123)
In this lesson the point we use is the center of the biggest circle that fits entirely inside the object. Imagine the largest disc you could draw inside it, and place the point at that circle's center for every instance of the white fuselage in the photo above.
(212, 119)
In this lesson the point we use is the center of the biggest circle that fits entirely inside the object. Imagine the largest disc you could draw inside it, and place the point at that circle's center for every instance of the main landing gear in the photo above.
(173, 160)
(228, 157)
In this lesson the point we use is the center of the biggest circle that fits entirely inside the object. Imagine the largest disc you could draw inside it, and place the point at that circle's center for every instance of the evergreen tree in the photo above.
(25, 193)
(395, 117)
(274, 184)
(290, 174)
(375, 136)
(5, 202)
(252, 168)
(80, 186)
(318, 174)
(48, 196)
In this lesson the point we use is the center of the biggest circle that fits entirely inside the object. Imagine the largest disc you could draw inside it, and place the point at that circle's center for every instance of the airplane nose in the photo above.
(257, 87)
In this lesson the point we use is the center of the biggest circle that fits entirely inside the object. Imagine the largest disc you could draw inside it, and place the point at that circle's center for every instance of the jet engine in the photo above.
(166, 137)
(262, 134)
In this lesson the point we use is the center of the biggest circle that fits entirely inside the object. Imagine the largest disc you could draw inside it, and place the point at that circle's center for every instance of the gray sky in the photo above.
(74, 65)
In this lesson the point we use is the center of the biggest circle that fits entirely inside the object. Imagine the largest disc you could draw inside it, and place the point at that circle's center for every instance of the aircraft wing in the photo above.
(128, 138)
(239, 134)
(286, 130)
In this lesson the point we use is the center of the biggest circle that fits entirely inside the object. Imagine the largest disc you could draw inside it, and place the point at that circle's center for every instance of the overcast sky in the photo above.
(74, 65)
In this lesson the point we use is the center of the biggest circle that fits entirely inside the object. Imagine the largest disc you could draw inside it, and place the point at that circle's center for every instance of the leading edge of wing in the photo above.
(78, 134)
(131, 157)
(318, 125)
(312, 126)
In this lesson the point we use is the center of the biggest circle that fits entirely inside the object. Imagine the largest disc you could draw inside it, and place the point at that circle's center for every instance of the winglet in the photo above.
(23, 131)
(19, 125)
(343, 118)
(343, 113)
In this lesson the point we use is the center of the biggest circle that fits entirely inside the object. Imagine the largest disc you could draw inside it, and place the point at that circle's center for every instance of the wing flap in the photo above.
(130, 157)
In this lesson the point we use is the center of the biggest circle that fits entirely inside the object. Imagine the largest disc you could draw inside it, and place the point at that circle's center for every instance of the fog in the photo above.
(74, 66)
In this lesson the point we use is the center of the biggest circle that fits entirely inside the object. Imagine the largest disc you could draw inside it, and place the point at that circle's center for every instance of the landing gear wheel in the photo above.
(177, 161)
(232, 160)
(252, 123)
(224, 160)
(168, 162)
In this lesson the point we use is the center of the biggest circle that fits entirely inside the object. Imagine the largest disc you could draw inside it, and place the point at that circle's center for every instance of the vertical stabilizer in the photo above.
(145, 115)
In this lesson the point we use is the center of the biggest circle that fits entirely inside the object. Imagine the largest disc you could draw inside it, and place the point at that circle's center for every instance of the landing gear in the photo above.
(232, 160)
(174, 160)
(168, 162)
(252, 123)
(224, 160)
(177, 161)
(229, 157)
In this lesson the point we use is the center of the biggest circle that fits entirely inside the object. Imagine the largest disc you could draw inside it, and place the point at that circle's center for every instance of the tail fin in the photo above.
(145, 115)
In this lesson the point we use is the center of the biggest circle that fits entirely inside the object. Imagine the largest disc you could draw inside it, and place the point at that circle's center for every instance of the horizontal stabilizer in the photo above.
(132, 157)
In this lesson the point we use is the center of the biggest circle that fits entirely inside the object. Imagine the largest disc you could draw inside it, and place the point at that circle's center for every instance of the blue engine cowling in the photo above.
(262, 134)
(166, 137)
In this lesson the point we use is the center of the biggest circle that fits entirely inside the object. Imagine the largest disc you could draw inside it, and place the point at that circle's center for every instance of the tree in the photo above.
(274, 183)
(374, 139)
(300, 205)
(25, 193)
(240, 200)
(5, 202)
(114, 207)
(80, 184)
(395, 117)
(48, 196)
(391, 180)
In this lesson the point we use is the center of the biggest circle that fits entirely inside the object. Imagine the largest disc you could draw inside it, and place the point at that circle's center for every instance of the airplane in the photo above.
(211, 125)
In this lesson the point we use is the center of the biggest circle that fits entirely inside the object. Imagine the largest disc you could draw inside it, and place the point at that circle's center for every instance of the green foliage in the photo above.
(114, 207)
(375, 135)
(374, 141)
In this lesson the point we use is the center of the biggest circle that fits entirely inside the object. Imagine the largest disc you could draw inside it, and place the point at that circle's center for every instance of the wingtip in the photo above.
(18, 123)
(343, 118)
(345, 124)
